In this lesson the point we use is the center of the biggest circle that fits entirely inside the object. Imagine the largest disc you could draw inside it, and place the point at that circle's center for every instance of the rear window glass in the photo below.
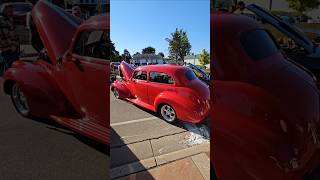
(190, 75)
(259, 44)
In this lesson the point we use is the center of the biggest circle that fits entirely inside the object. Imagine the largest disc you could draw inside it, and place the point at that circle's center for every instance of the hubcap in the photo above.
(168, 113)
(20, 100)
(116, 94)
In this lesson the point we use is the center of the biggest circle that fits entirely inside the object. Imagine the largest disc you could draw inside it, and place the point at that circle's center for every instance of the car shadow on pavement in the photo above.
(125, 163)
(104, 149)
(191, 127)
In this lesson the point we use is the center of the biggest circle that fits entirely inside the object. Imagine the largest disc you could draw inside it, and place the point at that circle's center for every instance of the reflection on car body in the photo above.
(265, 108)
(70, 85)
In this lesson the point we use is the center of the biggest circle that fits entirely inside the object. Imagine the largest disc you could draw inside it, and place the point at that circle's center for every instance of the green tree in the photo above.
(149, 50)
(303, 6)
(204, 57)
(115, 55)
(126, 56)
(161, 54)
(179, 45)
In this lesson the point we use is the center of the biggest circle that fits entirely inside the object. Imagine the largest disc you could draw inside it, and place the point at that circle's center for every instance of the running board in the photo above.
(142, 104)
(85, 127)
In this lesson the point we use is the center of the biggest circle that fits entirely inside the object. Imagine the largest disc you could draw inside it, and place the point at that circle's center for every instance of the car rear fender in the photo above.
(179, 103)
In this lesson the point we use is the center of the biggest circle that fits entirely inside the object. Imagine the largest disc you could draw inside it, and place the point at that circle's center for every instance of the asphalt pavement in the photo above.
(41, 149)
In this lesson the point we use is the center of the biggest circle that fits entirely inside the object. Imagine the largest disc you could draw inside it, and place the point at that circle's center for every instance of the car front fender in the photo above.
(122, 89)
(43, 94)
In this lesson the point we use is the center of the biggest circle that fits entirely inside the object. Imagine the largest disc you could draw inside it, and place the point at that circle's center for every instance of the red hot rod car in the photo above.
(265, 107)
(69, 84)
(173, 91)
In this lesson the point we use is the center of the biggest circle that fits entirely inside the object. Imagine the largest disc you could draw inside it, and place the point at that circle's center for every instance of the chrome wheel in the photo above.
(19, 100)
(116, 93)
(168, 113)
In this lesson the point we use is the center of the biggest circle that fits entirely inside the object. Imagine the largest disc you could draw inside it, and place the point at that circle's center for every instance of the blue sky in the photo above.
(136, 24)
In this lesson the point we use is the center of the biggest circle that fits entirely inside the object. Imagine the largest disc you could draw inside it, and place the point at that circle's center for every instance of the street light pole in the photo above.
(270, 5)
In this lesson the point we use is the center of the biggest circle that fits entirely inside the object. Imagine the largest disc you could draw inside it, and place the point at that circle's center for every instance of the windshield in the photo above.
(258, 44)
(22, 7)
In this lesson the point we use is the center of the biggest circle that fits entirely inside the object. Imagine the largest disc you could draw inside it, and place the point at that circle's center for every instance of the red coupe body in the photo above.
(155, 85)
(70, 85)
(265, 108)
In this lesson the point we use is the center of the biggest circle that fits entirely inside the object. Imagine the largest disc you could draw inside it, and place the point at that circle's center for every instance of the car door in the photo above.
(139, 85)
(158, 83)
(85, 69)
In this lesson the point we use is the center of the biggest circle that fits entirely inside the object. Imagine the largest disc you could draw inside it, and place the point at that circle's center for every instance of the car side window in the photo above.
(93, 44)
(160, 77)
(140, 75)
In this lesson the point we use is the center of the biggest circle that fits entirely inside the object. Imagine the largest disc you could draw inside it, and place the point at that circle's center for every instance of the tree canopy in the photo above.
(303, 6)
(179, 45)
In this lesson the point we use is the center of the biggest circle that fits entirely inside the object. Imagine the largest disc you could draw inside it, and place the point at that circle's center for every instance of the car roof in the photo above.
(235, 23)
(166, 68)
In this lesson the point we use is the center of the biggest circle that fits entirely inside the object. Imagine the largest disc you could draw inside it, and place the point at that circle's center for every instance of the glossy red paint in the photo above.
(189, 98)
(69, 87)
(265, 112)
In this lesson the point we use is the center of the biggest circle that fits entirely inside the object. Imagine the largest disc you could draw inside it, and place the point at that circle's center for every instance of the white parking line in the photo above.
(133, 121)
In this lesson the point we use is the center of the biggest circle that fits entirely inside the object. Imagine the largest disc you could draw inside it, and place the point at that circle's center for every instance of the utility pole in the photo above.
(270, 5)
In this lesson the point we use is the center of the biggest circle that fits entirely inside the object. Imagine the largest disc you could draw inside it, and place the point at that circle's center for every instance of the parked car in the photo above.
(307, 53)
(173, 91)
(68, 84)
(265, 108)
(20, 11)
(114, 70)
(200, 73)
(288, 19)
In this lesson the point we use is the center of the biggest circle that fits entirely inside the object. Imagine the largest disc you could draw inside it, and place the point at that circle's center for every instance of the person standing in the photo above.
(9, 40)
(241, 6)
(76, 11)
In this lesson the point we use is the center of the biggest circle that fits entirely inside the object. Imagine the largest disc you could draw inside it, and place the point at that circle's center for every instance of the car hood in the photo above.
(126, 70)
(290, 30)
(56, 28)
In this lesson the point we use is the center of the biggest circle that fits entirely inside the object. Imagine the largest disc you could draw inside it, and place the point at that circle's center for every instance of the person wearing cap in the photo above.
(76, 11)
(9, 40)
(224, 5)
(241, 6)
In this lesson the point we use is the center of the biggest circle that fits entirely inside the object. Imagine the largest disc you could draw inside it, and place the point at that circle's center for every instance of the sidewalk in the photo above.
(139, 149)
(191, 168)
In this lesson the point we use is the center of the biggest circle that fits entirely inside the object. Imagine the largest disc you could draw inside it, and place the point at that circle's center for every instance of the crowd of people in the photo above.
(9, 40)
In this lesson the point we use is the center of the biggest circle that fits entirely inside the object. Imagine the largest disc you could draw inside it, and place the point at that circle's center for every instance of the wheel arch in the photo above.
(7, 86)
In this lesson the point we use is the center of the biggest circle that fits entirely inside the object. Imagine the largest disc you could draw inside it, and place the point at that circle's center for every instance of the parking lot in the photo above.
(41, 149)
(140, 140)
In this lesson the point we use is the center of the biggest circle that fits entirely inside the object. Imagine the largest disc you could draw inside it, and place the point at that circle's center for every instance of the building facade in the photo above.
(146, 59)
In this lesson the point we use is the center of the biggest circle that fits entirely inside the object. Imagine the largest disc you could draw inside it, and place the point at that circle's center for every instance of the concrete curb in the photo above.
(153, 162)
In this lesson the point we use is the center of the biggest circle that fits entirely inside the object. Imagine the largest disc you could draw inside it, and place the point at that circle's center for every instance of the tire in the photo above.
(116, 93)
(168, 113)
(19, 101)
